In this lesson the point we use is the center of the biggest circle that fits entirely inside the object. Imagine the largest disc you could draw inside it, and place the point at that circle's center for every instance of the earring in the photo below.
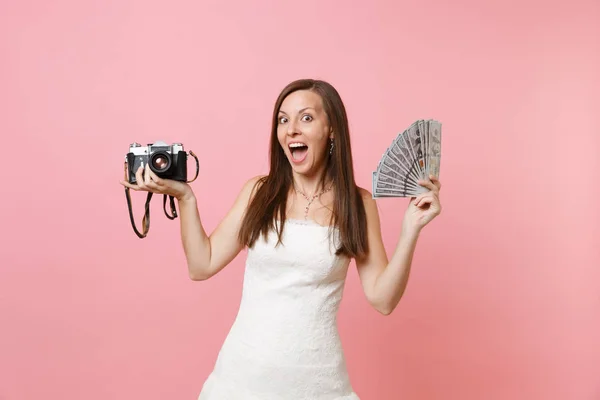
(331, 147)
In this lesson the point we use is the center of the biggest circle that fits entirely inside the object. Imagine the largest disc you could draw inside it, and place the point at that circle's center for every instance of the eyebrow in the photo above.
(304, 109)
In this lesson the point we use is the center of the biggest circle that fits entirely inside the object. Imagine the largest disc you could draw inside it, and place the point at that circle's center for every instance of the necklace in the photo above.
(311, 199)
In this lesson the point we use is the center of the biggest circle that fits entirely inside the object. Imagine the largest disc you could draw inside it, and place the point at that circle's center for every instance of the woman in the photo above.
(302, 224)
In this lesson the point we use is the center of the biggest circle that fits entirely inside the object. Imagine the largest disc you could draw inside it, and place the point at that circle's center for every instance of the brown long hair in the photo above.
(270, 199)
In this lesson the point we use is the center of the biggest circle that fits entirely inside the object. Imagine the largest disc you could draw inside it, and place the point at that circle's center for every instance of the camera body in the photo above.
(167, 161)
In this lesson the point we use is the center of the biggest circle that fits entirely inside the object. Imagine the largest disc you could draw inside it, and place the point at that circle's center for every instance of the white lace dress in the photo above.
(284, 342)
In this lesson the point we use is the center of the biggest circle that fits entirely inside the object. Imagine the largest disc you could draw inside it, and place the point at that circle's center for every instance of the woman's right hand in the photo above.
(148, 181)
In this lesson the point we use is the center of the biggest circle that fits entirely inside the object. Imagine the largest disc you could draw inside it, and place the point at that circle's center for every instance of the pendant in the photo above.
(310, 201)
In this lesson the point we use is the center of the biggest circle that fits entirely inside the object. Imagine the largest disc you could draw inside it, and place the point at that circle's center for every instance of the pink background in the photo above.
(504, 298)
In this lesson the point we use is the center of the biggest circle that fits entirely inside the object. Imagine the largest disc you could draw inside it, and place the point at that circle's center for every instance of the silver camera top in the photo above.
(139, 150)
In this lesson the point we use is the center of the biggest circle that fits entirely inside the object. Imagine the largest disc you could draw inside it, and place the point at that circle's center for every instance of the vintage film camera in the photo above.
(167, 161)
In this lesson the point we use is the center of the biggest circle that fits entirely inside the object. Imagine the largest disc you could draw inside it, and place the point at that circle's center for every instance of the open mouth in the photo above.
(298, 151)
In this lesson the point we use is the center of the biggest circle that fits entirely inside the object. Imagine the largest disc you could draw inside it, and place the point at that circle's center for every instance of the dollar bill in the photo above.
(410, 152)
(388, 185)
(397, 162)
(435, 147)
(414, 140)
(382, 189)
(389, 193)
(373, 183)
(423, 133)
(413, 155)
(393, 180)
(399, 183)
(395, 175)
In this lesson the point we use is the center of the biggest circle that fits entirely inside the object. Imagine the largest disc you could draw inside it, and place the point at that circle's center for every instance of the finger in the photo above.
(129, 185)
(435, 181)
(154, 178)
(419, 197)
(428, 184)
(147, 174)
(139, 178)
(427, 198)
(152, 187)
(424, 201)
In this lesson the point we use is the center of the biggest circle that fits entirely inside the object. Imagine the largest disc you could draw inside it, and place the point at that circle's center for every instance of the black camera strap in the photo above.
(172, 204)
(146, 218)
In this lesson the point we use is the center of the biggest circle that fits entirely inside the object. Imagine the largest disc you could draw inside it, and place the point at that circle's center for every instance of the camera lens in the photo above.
(160, 162)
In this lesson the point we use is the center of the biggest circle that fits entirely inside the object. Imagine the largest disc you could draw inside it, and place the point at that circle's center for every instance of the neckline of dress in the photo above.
(307, 222)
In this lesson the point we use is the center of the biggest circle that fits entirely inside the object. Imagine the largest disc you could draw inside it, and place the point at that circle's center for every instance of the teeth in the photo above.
(297, 145)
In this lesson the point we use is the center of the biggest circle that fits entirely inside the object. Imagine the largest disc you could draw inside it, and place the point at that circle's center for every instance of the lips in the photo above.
(298, 150)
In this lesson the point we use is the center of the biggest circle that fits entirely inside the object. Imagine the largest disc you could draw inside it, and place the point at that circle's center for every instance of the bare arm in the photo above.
(207, 255)
(383, 281)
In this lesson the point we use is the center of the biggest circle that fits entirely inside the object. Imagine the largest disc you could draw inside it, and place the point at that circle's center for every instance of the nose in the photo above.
(292, 128)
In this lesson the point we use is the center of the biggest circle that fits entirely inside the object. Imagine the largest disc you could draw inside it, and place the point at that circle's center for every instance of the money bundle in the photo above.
(413, 155)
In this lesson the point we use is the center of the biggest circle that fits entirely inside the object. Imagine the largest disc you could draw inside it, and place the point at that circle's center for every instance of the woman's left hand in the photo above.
(425, 207)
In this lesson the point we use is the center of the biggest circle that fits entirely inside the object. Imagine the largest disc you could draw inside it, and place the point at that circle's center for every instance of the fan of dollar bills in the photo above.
(413, 155)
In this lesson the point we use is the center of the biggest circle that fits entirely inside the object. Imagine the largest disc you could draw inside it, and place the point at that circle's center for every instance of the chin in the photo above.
(307, 168)
(300, 169)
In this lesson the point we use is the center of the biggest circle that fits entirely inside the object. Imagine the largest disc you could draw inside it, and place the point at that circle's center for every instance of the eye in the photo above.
(306, 118)
(282, 120)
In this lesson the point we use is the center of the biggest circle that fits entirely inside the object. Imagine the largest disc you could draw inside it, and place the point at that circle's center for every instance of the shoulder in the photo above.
(369, 203)
(367, 197)
(245, 196)
(255, 181)
(251, 186)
